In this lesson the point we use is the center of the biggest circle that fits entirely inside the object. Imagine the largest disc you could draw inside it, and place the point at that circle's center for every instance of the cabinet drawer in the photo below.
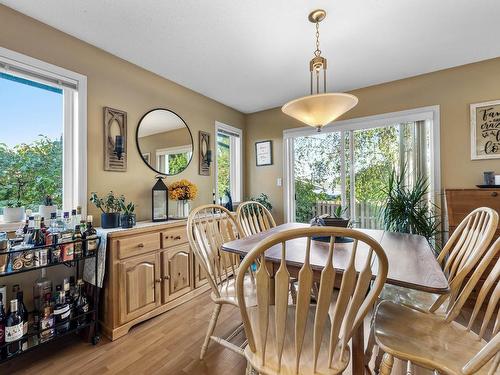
(135, 245)
(173, 237)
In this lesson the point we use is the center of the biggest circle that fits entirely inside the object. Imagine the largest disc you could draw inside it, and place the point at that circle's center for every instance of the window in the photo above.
(43, 126)
(173, 160)
(348, 163)
(228, 162)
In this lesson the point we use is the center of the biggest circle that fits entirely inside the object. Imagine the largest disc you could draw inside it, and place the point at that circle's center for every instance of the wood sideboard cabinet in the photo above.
(460, 202)
(150, 269)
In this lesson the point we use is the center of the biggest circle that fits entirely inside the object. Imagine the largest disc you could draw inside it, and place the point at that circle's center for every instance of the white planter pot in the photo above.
(45, 211)
(183, 208)
(13, 214)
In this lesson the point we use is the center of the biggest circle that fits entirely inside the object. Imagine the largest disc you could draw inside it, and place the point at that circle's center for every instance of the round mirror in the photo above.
(164, 142)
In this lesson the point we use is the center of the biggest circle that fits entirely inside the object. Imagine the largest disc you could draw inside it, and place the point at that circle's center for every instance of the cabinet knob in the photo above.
(177, 237)
(158, 280)
(166, 277)
(140, 245)
(494, 194)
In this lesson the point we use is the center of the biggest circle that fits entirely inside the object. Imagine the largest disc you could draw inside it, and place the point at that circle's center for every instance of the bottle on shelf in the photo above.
(41, 288)
(2, 327)
(78, 245)
(90, 237)
(13, 330)
(81, 304)
(37, 237)
(47, 320)
(78, 215)
(61, 312)
(29, 231)
(23, 313)
(74, 219)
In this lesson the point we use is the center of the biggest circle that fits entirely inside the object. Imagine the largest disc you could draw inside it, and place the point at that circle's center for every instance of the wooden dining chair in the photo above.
(302, 338)
(208, 228)
(254, 217)
(442, 344)
(458, 258)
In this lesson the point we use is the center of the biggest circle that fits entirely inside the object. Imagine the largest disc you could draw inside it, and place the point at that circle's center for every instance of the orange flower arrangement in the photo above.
(182, 190)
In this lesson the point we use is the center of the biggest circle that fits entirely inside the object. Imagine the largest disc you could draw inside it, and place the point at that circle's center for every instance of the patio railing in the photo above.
(367, 214)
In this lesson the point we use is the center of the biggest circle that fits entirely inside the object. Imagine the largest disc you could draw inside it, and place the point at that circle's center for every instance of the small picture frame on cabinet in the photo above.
(263, 153)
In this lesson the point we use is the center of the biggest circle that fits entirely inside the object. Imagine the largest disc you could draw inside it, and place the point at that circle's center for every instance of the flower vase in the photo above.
(183, 208)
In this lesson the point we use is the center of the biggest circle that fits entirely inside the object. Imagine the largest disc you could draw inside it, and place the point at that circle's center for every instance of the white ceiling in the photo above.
(253, 54)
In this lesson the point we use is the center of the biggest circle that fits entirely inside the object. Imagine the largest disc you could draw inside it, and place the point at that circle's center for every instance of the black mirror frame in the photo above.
(139, 149)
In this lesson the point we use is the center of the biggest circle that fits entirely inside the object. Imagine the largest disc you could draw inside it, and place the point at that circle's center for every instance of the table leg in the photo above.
(358, 350)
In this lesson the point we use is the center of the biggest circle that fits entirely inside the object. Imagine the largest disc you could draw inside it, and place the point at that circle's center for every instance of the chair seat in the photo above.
(227, 292)
(412, 298)
(425, 339)
(270, 366)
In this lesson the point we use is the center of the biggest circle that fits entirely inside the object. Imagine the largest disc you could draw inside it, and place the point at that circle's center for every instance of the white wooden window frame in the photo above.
(430, 113)
(74, 120)
(188, 149)
(236, 161)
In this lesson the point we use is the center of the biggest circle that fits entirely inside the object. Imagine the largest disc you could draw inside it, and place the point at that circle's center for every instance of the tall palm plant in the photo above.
(407, 208)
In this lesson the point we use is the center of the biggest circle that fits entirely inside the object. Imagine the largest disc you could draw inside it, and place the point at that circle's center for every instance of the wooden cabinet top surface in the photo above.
(145, 227)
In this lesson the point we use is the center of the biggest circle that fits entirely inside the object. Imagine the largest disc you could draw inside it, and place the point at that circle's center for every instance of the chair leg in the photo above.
(386, 365)
(249, 369)
(409, 368)
(210, 330)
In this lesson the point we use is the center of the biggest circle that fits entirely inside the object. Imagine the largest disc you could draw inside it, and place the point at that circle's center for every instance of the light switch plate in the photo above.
(279, 181)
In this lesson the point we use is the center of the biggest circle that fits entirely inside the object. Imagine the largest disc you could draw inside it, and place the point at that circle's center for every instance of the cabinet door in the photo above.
(140, 284)
(177, 276)
(200, 276)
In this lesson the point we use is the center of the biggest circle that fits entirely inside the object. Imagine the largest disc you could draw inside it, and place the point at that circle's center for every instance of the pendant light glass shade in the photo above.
(320, 109)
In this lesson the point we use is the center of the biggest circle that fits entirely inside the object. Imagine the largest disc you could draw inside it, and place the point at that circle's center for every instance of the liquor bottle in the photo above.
(78, 214)
(61, 312)
(23, 313)
(83, 226)
(41, 288)
(67, 230)
(73, 219)
(81, 304)
(51, 231)
(2, 328)
(47, 321)
(13, 330)
(26, 225)
(37, 237)
(78, 245)
(90, 237)
(29, 230)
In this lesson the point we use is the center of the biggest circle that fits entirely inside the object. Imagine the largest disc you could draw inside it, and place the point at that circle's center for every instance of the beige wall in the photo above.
(452, 89)
(116, 83)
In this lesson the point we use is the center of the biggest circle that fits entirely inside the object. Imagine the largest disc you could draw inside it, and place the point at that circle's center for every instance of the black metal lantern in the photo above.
(159, 200)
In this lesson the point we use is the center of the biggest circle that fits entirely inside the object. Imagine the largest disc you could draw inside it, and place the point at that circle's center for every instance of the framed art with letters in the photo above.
(485, 130)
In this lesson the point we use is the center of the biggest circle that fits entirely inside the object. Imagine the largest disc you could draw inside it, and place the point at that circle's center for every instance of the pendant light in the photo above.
(319, 109)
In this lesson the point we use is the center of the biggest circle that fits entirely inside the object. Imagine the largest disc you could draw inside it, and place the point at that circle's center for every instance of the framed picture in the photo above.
(205, 153)
(485, 130)
(263, 153)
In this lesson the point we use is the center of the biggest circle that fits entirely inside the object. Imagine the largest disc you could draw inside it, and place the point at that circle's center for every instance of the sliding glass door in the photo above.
(344, 170)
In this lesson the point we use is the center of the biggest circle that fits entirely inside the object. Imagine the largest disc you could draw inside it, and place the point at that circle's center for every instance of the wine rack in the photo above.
(89, 319)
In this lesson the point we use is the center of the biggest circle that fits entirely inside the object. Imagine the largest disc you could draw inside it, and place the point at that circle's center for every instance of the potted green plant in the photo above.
(110, 207)
(408, 208)
(337, 218)
(48, 207)
(127, 214)
(13, 188)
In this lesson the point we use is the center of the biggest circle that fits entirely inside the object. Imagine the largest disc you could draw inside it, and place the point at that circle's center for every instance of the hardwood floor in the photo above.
(168, 344)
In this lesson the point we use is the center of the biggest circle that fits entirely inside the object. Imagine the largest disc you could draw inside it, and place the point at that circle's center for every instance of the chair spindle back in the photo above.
(208, 227)
(354, 301)
(253, 217)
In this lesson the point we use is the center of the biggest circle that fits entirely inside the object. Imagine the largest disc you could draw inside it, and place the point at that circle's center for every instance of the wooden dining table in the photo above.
(412, 265)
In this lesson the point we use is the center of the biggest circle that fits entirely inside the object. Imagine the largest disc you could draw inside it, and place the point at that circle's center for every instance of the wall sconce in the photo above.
(115, 140)
(205, 154)
(119, 148)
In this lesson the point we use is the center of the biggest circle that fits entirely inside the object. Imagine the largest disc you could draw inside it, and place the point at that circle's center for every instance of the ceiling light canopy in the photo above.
(319, 109)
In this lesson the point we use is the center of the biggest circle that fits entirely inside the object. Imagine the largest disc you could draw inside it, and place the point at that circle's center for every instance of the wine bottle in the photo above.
(61, 312)
(90, 237)
(2, 328)
(13, 330)
(82, 304)
(23, 313)
(47, 321)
